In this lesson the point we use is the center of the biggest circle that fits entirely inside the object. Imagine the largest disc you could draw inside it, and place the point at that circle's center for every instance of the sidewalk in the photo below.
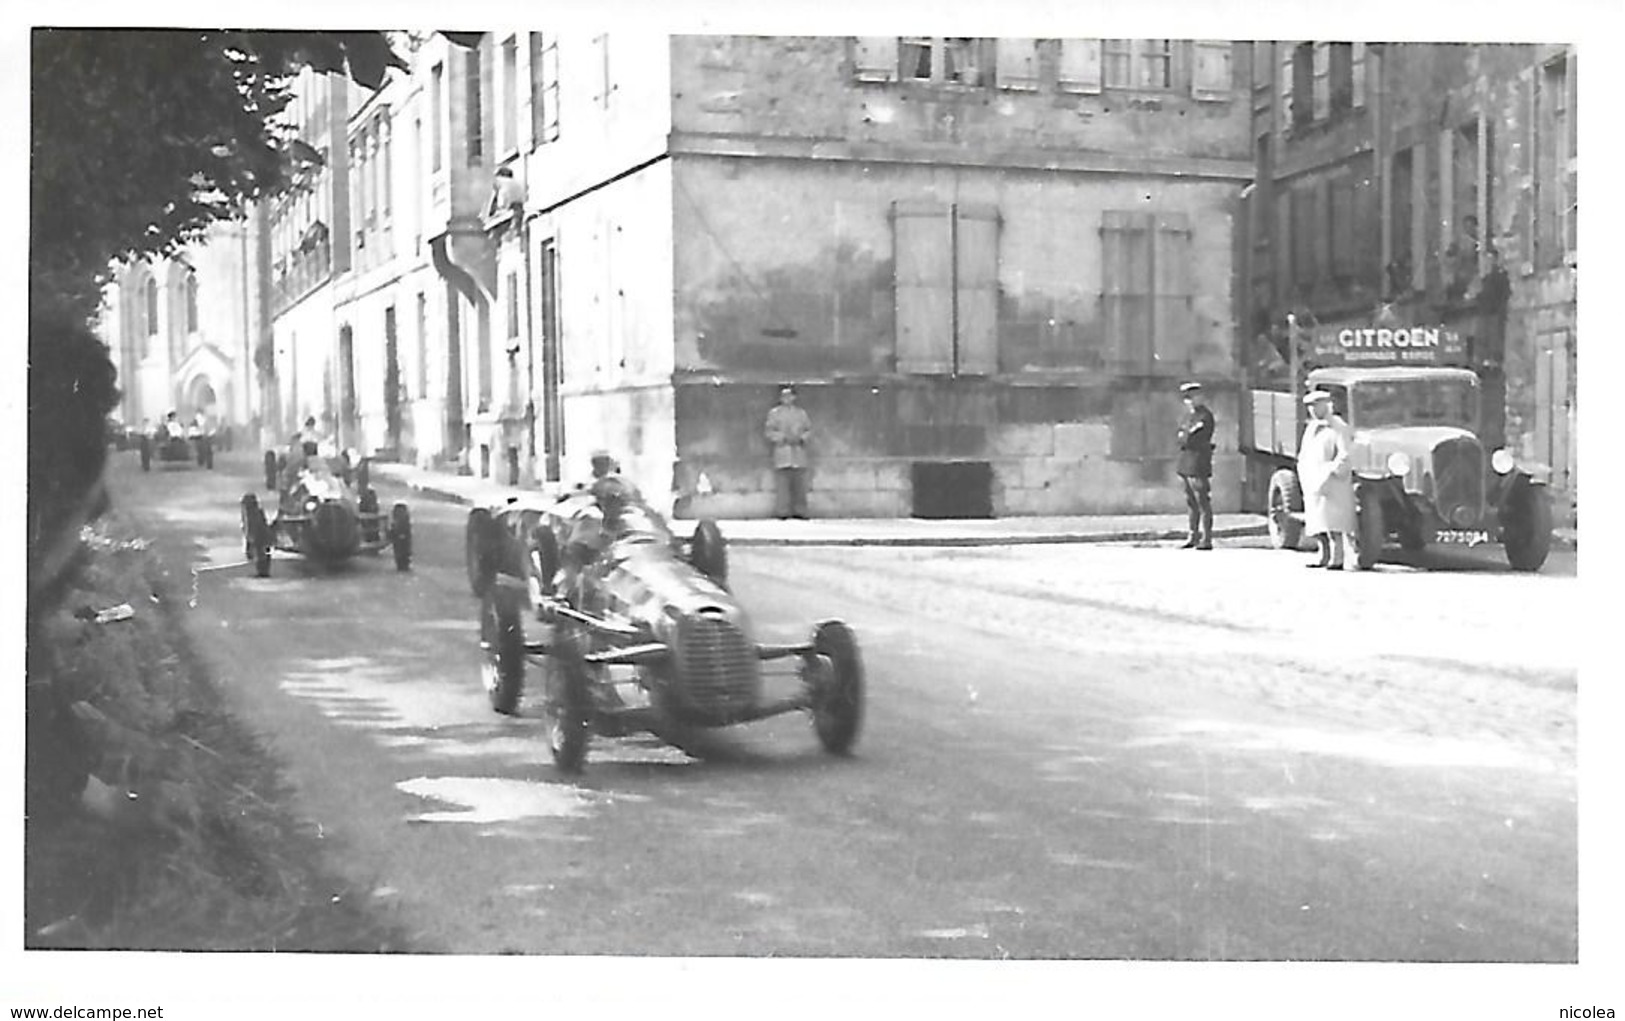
(868, 531)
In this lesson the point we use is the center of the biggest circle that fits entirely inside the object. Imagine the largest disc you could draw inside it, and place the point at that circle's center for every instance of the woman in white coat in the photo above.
(1328, 483)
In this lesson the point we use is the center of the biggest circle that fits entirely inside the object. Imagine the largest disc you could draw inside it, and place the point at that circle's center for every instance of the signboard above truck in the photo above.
(1387, 345)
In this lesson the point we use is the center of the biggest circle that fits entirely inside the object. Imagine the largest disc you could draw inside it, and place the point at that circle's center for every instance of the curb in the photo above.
(1032, 539)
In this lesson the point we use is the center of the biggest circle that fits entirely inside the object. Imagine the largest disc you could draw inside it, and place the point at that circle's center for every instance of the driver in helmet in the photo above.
(592, 530)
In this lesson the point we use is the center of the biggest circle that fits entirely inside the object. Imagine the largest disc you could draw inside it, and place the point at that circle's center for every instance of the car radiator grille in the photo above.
(336, 530)
(1458, 470)
(718, 676)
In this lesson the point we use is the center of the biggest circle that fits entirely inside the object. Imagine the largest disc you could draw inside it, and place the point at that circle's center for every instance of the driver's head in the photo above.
(612, 494)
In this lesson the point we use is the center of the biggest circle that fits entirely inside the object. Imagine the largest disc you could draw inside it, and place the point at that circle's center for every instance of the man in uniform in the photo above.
(788, 429)
(1195, 467)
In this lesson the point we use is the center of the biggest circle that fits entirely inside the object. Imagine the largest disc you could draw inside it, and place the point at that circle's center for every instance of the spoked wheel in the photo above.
(400, 536)
(479, 551)
(708, 552)
(368, 505)
(502, 643)
(1285, 500)
(834, 670)
(256, 536)
(568, 706)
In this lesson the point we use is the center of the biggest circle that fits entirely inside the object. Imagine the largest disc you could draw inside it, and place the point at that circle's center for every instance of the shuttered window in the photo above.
(1079, 68)
(874, 58)
(1016, 63)
(1210, 69)
(1147, 291)
(946, 276)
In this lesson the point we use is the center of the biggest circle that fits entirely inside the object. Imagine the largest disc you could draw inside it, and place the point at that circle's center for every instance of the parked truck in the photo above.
(1422, 476)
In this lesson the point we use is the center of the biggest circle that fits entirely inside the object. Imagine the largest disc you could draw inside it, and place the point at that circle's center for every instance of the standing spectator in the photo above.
(1328, 483)
(1195, 467)
(788, 429)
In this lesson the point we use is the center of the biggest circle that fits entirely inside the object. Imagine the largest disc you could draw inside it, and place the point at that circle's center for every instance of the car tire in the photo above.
(1285, 498)
(1527, 534)
(400, 536)
(271, 469)
(206, 453)
(479, 551)
(1371, 528)
(256, 536)
(371, 529)
(708, 552)
(837, 696)
(502, 645)
(146, 454)
(568, 705)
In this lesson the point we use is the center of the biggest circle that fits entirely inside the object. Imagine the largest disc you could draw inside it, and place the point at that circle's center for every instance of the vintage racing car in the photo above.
(646, 638)
(326, 511)
(174, 450)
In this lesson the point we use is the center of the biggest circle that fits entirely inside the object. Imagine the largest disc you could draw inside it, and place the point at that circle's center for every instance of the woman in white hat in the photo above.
(1328, 482)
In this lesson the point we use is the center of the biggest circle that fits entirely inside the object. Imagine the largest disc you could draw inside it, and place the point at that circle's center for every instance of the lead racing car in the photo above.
(644, 636)
(326, 511)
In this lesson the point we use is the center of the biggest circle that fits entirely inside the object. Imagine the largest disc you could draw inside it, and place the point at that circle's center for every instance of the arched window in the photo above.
(191, 302)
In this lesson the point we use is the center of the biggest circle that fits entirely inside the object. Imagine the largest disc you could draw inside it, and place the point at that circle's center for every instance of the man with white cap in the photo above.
(1328, 483)
(1195, 467)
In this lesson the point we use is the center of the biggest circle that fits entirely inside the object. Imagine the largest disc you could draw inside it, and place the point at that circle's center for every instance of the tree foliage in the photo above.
(140, 139)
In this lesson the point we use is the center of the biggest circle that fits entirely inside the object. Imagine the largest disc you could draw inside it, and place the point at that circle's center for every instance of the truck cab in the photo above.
(1422, 475)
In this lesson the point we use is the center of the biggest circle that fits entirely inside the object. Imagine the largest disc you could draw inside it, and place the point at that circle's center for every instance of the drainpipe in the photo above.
(530, 341)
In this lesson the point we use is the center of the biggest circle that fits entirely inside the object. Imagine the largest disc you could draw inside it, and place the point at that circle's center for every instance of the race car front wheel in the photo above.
(502, 645)
(256, 536)
(834, 670)
(400, 536)
(568, 705)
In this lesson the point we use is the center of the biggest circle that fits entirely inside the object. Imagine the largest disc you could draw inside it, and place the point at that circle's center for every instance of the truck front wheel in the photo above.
(1285, 504)
(1528, 532)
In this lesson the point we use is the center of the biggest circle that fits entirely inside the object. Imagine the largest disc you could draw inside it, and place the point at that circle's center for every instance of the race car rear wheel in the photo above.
(502, 643)
(146, 453)
(256, 536)
(400, 536)
(568, 706)
(708, 552)
(270, 469)
(836, 674)
(479, 551)
(371, 532)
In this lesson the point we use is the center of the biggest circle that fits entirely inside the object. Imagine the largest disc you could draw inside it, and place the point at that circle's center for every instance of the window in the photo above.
(1302, 87)
(513, 306)
(875, 58)
(437, 98)
(1321, 66)
(1017, 62)
(946, 279)
(1211, 69)
(1462, 177)
(509, 141)
(1553, 183)
(1138, 63)
(1340, 70)
(191, 302)
(1263, 57)
(544, 88)
(423, 345)
(1400, 227)
(956, 60)
(1079, 67)
(473, 110)
(1146, 291)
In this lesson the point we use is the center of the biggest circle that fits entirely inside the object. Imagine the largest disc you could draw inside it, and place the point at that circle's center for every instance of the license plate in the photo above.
(1461, 537)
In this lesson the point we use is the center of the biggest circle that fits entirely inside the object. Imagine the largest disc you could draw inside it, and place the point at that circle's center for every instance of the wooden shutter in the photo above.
(874, 58)
(1210, 69)
(1015, 63)
(1358, 74)
(1288, 84)
(1174, 318)
(976, 288)
(1079, 69)
(1570, 214)
(1126, 288)
(922, 260)
(1367, 228)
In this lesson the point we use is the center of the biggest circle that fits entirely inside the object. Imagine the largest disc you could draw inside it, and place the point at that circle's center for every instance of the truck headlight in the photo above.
(1399, 463)
(1502, 461)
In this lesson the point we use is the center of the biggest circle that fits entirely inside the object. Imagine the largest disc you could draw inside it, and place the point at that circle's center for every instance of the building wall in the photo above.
(785, 272)
(305, 336)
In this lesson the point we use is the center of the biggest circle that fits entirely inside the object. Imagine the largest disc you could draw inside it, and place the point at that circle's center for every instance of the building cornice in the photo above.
(689, 143)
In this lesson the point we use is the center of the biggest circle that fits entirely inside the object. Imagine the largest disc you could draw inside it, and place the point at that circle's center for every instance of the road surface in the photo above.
(1092, 751)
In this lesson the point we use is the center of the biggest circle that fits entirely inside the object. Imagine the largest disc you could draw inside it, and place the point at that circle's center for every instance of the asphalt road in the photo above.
(1101, 751)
